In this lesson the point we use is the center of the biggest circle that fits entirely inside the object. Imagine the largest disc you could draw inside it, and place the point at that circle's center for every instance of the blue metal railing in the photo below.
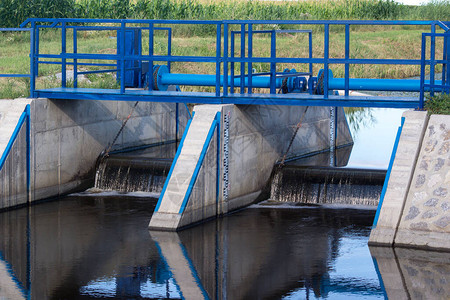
(224, 81)
(432, 86)
(24, 118)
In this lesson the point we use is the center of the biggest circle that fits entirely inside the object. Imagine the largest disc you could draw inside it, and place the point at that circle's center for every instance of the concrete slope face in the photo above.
(195, 156)
(401, 172)
(67, 137)
(239, 157)
(13, 189)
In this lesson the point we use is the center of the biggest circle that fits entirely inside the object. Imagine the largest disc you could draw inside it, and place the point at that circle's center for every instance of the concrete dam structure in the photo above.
(242, 122)
(214, 171)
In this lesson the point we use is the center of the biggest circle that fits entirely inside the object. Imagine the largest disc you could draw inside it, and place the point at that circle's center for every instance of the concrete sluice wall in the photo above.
(67, 137)
(251, 138)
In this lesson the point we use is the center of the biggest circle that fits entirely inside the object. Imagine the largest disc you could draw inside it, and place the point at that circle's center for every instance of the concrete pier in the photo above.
(251, 140)
(416, 207)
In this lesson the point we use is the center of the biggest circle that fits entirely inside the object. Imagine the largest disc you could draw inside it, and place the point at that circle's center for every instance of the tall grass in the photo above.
(13, 12)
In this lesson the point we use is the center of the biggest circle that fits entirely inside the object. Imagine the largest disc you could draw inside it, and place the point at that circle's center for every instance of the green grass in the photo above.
(439, 104)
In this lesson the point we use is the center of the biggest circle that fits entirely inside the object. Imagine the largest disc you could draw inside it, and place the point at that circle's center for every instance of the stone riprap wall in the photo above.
(67, 137)
(416, 208)
(426, 217)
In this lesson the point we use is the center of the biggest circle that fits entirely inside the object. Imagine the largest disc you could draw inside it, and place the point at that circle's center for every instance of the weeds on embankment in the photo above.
(439, 104)
(14, 12)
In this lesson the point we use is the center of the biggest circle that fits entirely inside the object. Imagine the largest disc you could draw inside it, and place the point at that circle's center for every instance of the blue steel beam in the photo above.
(245, 99)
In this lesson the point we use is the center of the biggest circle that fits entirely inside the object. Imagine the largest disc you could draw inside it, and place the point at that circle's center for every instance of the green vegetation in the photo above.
(439, 104)
(14, 12)
(394, 42)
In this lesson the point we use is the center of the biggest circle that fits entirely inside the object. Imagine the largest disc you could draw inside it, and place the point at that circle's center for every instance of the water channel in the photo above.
(97, 245)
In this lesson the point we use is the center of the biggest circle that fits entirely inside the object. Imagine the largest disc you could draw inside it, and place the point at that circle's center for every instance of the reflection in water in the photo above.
(374, 141)
(94, 247)
(413, 274)
(359, 117)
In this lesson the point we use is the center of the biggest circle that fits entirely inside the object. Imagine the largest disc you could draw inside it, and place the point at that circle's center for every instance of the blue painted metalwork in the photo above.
(388, 173)
(224, 82)
(208, 139)
(24, 290)
(177, 154)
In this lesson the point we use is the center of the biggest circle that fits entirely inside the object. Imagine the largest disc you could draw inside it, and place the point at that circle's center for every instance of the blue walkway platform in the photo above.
(244, 99)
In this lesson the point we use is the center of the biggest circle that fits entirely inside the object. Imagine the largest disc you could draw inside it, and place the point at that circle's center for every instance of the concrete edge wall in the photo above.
(416, 210)
(67, 137)
(252, 139)
(13, 189)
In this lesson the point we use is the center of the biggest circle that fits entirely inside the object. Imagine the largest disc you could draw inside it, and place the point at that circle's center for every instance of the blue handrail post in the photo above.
(75, 61)
(325, 64)
(33, 63)
(232, 63)
(225, 59)
(310, 52)
(122, 57)
(250, 55)
(432, 58)
(447, 61)
(273, 65)
(36, 51)
(422, 72)
(347, 56)
(242, 57)
(218, 56)
(151, 53)
(169, 46)
(63, 54)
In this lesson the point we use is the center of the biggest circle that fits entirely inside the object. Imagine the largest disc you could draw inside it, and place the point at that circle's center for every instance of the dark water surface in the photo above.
(99, 247)
(94, 246)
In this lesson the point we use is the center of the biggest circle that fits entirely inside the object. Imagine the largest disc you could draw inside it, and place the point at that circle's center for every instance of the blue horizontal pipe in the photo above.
(365, 84)
(210, 80)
